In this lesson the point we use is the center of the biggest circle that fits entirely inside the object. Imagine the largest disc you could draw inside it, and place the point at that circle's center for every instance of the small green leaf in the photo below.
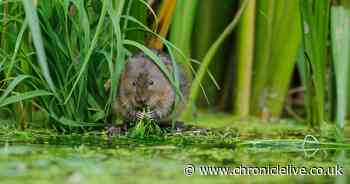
(24, 96)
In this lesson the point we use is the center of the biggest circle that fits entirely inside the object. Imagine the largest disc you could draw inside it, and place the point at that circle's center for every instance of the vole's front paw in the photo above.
(139, 115)
(153, 115)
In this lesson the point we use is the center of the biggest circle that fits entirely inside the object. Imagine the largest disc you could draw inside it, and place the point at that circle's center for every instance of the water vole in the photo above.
(143, 84)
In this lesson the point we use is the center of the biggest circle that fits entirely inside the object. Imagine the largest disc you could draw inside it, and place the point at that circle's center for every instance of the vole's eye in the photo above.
(151, 83)
(134, 83)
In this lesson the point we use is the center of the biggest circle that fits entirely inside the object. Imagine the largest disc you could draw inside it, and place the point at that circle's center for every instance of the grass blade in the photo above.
(340, 34)
(182, 26)
(278, 41)
(33, 21)
(245, 53)
(89, 52)
(18, 43)
(315, 24)
(194, 91)
(213, 22)
(12, 86)
(24, 96)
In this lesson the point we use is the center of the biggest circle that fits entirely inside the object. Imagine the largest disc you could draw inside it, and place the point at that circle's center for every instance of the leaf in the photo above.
(194, 91)
(90, 50)
(97, 116)
(340, 34)
(72, 123)
(33, 21)
(18, 42)
(315, 25)
(24, 96)
(12, 86)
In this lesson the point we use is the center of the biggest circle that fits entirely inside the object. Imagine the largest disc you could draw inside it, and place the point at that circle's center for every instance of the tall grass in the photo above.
(194, 91)
(139, 11)
(79, 45)
(71, 55)
(182, 27)
(207, 26)
(340, 34)
(244, 60)
(4, 25)
(315, 22)
(56, 56)
(278, 38)
(33, 21)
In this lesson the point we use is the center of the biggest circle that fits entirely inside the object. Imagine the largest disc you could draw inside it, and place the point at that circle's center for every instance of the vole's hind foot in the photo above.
(115, 130)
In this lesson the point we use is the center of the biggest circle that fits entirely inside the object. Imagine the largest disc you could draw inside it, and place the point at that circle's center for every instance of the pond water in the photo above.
(94, 160)
(44, 156)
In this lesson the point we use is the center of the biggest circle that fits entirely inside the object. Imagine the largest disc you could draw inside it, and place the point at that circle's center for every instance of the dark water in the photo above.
(92, 160)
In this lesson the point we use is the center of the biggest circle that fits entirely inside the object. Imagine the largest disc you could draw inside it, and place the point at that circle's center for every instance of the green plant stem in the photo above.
(264, 46)
(181, 28)
(315, 25)
(207, 27)
(340, 34)
(91, 48)
(278, 41)
(3, 42)
(34, 26)
(286, 42)
(139, 11)
(245, 53)
(206, 61)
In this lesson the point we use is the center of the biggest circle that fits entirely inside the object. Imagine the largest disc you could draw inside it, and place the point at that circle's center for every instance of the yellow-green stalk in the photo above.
(245, 56)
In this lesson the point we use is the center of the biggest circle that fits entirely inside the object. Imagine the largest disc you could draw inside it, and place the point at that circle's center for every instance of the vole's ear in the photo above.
(167, 62)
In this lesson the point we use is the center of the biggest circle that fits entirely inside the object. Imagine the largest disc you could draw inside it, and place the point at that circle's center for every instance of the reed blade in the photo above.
(340, 34)
(33, 21)
(245, 56)
(315, 23)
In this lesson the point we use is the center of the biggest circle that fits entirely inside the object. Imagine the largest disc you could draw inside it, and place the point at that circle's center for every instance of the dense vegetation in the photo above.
(250, 58)
(270, 85)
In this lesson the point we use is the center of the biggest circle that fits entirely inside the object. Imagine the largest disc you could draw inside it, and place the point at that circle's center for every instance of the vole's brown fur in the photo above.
(143, 84)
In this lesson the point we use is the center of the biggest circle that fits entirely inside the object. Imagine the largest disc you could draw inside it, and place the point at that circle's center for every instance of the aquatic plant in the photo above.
(56, 57)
